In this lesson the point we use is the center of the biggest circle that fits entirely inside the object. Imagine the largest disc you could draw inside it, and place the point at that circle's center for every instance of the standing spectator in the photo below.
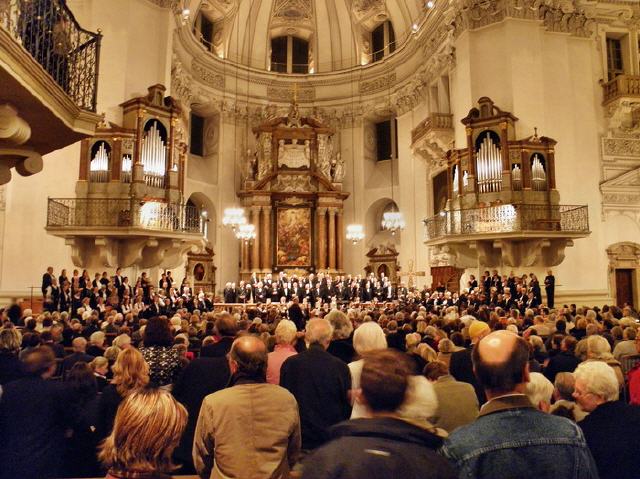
(320, 383)
(564, 404)
(10, 365)
(145, 433)
(296, 315)
(383, 445)
(227, 329)
(511, 436)
(286, 335)
(341, 345)
(457, 401)
(34, 413)
(564, 361)
(164, 361)
(461, 366)
(612, 427)
(266, 442)
(539, 390)
(368, 337)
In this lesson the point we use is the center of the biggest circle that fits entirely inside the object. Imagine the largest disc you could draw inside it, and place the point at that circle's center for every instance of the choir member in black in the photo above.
(63, 278)
(259, 294)
(550, 288)
(47, 278)
(117, 281)
(64, 303)
(274, 293)
(534, 285)
(51, 295)
(486, 282)
(229, 293)
(473, 283)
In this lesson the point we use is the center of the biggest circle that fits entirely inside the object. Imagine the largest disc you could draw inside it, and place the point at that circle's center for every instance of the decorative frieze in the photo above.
(209, 77)
(377, 84)
(285, 94)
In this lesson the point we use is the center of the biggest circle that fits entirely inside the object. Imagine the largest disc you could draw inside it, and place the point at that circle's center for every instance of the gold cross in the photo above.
(411, 274)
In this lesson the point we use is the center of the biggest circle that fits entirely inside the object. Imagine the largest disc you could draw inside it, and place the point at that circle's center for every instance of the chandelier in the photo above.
(246, 233)
(393, 221)
(355, 233)
(233, 217)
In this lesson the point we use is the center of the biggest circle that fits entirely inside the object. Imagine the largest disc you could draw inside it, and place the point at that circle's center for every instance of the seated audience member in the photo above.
(341, 345)
(250, 429)
(164, 361)
(564, 361)
(46, 339)
(599, 349)
(539, 390)
(34, 414)
(201, 377)
(10, 365)
(320, 382)
(100, 368)
(511, 436)
(368, 337)
(227, 328)
(96, 344)
(286, 335)
(626, 347)
(461, 367)
(445, 349)
(79, 355)
(611, 428)
(564, 404)
(457, 401)
(130, 373)
(147, 429)
(382, 445)
(82, 439)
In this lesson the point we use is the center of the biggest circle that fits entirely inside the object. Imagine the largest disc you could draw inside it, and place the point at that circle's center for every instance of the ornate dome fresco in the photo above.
(335, 34)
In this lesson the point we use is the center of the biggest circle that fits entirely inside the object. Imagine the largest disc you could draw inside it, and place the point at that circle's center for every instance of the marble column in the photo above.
(322, 238)
(265, 254)
(255, 250)
(339, 240)
(332, 238)
(244, 255)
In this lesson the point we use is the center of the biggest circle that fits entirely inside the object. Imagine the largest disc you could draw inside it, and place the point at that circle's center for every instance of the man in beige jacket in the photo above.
(250, 429)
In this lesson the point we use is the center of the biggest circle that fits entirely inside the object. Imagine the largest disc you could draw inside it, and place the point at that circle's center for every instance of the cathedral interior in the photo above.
(221, 138)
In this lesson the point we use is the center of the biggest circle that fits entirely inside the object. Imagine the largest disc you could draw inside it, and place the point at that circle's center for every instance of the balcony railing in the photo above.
(622, 85)
(508, 219)
(49, 32)
(122, 213)
(435, 121)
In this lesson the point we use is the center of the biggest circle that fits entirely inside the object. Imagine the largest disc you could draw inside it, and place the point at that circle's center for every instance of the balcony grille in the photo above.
(52, 36)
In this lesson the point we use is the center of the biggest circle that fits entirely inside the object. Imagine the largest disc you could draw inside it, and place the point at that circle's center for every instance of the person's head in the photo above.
(563, 386)
(146, 430)
(384, 380)
(596, 384)
(10, 340)
(629, 334)
(342, 327)
(319, 331)
(130, 371)
(568, 344)
(539, 390)
(157, 332)
(122, 341)
(286, 332)
(226, 325)
(248, 356)
(501, 363)
(598, 348)
(81, 379)
(100, 365)
(97, 339)
(478, 330)
(434, 370)
(39, 361)
(369, 337)
(79, 345)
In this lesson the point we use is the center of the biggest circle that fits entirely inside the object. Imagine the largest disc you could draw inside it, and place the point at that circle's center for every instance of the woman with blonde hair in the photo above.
(146, 431)
(599, 349)
(130, 373)
(368, 337)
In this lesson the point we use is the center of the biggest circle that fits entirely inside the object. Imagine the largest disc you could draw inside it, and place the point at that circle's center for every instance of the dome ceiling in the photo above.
(338, 31)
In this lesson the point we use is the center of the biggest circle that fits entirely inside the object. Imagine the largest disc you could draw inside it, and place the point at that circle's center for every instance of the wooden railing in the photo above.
(435, 121)
(620, 86)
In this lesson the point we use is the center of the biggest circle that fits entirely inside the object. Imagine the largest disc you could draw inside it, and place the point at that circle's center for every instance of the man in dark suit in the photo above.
(227, 328)
(229, 293)
(296, 315)
(320, 383)
(47, 279)
(201, 377)
(34, 414)
(79, 355)
(461, 366)
(550, 288)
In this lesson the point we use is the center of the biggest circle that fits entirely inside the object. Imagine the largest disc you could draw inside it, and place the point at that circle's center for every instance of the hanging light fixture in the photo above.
(355, 231)
(233, 218)
(246, 233)
(392, 219)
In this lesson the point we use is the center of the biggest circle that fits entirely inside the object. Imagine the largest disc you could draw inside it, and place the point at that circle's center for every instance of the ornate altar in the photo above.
(292, 189)
(200, 271)
(383, 259)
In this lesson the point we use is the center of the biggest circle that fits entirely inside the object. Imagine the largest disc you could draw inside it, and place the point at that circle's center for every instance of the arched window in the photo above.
(289, 55)
(383, 41)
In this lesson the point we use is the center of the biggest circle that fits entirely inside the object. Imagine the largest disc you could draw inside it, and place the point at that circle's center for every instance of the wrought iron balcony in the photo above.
(511, 220)
(49, 32)
(621, 86)
(120, 213)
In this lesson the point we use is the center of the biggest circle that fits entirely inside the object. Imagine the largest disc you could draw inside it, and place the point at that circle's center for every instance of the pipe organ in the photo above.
(125, 173)
(99, 166)
(154, 157)
(456, 178)
(489, 166)
(516, 177)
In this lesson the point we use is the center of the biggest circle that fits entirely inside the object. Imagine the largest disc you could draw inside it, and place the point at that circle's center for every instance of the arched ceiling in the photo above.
(338, 30)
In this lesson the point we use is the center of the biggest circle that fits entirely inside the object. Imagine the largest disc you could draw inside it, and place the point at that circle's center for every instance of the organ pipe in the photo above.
(538, 175)
(126, 169)
(99, 166)
(489, 166)
(516, 177)
(154, 157)
(455, 178)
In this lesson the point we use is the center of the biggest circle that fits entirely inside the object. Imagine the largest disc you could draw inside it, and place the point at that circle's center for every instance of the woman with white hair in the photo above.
(611, 428)
(599, 349)
(286, 334)
(96, 344)
(368, 337)
(539, 390)
(341, 345)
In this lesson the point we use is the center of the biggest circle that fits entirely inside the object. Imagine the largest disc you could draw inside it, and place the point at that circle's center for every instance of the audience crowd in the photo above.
(482, 384)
